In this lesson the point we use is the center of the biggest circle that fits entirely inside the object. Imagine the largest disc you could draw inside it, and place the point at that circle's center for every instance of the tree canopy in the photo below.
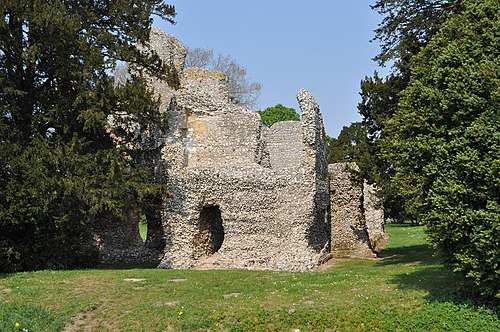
(407, 26)
(59, 168)
(278, 113)
(443, 142)
(350, 146)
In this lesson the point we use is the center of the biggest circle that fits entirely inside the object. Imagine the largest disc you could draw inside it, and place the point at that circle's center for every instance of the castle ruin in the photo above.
(242, 195)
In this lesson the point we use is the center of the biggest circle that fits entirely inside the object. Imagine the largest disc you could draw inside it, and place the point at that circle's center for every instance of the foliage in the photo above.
(444, 142)
(408, 25)
(351, 146)
(241, 90)
(379, 100)
(278, 113)
(406, 291)
(60, 170)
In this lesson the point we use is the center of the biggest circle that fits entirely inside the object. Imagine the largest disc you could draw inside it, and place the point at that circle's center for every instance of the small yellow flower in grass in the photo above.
(17, 324)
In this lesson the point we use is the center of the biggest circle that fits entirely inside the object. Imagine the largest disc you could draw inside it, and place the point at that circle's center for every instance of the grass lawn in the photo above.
(406, 291)
(143, 230)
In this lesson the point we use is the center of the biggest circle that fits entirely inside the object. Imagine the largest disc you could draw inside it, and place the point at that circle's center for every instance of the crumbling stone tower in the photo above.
(242, 195)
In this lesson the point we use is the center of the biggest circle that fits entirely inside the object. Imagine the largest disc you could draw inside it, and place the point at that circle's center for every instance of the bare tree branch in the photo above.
(241, 90)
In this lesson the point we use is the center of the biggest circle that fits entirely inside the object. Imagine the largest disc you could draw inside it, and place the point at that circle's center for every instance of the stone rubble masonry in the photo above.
(242, 195)
(349, 233)
(357, 219)
(374, 217)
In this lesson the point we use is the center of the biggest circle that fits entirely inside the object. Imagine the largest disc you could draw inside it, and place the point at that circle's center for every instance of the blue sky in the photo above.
(321, 45)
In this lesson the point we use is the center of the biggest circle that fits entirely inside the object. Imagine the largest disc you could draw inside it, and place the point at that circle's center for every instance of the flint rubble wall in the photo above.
(242, 195)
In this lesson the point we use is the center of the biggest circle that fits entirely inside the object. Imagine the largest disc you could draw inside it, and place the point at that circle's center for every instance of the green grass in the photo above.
(408, 290)
(143, 230)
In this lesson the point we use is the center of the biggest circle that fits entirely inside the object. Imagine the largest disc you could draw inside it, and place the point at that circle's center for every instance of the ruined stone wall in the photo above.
(285, 144)
(374, 217)
(267, 218)
(357, 218)
(349, 233)
(241, 195)
(262, 213)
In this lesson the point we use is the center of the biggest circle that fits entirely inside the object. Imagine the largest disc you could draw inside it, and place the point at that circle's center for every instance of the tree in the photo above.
(407, 26)
(379, 101)
(241, 90)
(60, 170)
(444, 144)
(350, 146)
(278, 113)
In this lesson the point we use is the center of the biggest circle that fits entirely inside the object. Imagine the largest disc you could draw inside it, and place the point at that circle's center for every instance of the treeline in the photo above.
(60, 170)
(430, 134)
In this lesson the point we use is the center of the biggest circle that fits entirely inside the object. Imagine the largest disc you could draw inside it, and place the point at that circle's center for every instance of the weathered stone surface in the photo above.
(349, 234)
(118, 241)
(168, 48)
(284, 144)
(374, 217)
(242, 195)
(231, 206)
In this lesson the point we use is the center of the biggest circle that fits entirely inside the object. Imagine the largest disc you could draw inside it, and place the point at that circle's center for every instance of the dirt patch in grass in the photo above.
(168, 304)
(133, 279)
(329, 263)
(178, 280)
(85, 320)
(227, 296)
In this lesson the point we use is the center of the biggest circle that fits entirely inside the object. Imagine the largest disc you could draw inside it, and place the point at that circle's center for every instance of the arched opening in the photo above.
(210, 231)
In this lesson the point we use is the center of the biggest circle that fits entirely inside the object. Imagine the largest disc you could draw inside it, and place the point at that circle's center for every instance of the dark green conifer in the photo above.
(59, 168)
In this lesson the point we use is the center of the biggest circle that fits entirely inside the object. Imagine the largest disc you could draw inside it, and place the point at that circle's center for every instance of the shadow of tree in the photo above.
(429, 275)
(421, 254)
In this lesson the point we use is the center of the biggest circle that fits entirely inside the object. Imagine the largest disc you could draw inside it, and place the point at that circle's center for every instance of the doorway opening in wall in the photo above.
(151, 229)
(211, 232)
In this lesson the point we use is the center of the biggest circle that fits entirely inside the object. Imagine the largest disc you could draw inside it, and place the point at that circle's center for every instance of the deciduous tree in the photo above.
(241, 90)
(278, 113)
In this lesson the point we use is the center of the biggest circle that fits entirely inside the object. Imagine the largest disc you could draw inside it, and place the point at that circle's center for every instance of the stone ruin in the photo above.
(242, 195)
(357, 222)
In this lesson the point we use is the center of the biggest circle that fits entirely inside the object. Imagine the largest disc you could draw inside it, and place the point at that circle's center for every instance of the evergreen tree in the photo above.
(60, 170)
(444, 144)
(407, 26)
(350, 146)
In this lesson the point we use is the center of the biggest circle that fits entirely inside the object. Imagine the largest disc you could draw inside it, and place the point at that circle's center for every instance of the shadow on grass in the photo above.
(126, 266)
(425, 272)
(420, 253)
(116, 266)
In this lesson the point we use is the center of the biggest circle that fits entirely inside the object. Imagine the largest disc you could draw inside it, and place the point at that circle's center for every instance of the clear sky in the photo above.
(321, 45)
